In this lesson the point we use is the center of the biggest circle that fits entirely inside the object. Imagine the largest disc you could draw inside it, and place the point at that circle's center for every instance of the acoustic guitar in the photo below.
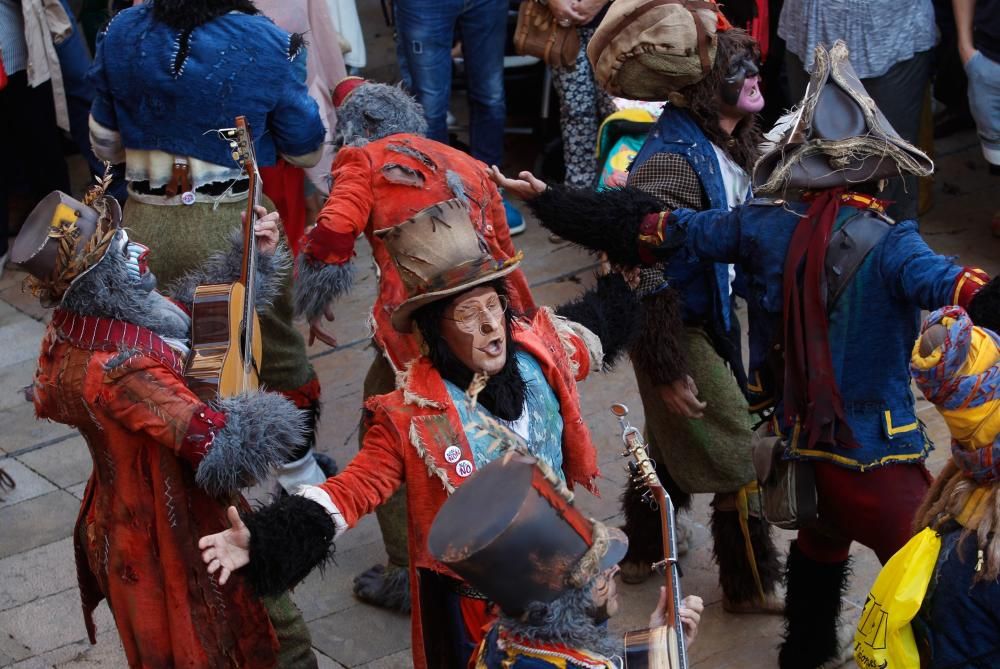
(225, 331)
(660, 647)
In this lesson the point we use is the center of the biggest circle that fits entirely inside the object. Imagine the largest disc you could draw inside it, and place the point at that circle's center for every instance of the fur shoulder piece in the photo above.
(288, 539)
(224, 267)
(262, 430)
(568, 332)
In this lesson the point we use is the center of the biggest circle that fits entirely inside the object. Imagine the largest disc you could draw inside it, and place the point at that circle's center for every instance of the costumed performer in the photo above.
(166, 464)
(687, 359)
(548, 568)
(166, 75)
(835, 290)
(385, 171)
(427, 435)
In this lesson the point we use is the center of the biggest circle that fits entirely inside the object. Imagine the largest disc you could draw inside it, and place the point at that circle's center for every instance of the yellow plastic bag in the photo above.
(884, 638)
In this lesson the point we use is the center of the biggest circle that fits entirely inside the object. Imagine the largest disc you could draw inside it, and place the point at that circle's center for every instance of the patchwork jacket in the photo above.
(385, 182)
(415, 436)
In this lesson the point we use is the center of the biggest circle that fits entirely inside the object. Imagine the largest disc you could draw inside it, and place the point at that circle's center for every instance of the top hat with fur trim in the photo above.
(837, 136)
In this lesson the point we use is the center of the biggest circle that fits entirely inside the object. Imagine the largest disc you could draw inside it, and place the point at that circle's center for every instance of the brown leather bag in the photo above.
(537, 34)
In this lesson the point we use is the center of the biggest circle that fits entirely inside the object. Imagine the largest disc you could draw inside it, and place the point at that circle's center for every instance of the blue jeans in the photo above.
(984, 102)
(426, 31)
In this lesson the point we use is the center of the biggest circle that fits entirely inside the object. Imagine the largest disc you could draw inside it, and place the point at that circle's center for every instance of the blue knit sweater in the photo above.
(164, 90)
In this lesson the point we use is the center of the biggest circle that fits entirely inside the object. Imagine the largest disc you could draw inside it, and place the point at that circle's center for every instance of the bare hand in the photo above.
(228, 550)
(588, 9)
(567, 12)
(617, 179)
(526, 186)
(267, 229)
(317, 331)
(966, 52)
(690, 614)
(681, 398)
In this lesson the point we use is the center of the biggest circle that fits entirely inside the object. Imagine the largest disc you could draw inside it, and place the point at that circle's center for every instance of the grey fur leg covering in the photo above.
(225, 267)
(598, 221)
(261, 430)
(730, 552)
(288, 539)
(812, 610)
(317, 284)
(384, 587)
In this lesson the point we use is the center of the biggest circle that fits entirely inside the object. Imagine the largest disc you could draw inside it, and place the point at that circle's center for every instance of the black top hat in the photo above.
(512, 533)
(837, 137)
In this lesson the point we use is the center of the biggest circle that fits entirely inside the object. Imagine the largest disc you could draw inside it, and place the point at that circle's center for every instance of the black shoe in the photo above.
(384, 587)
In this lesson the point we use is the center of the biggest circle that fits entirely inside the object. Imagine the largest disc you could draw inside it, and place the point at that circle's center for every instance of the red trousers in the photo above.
(874, 508)
(285, 185)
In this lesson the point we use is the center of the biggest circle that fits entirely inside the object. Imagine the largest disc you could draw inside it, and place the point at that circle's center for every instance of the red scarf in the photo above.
(811, 395)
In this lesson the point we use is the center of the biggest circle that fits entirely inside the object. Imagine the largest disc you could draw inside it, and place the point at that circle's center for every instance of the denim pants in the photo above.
(426, 31)
(984, 103)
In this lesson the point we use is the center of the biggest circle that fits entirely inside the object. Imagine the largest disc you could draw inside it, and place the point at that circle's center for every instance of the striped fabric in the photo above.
(13, 47)
(962, 377)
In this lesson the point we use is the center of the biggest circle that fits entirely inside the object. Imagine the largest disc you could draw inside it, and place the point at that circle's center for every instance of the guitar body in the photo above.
(216, 366)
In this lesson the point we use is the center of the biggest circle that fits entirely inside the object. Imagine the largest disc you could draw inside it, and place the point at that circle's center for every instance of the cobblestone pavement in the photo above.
(40, 621)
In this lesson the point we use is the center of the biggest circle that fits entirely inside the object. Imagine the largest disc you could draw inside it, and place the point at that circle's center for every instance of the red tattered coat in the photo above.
(136, 536)
(410, 428)
(382, 184)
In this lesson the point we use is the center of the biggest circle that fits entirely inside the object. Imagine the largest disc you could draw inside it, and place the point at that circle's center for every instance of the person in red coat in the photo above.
(386, 171)
(487, 368)
(166, 463)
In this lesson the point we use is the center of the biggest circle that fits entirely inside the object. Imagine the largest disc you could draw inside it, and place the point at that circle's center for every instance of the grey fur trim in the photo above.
(416, 154)
(567, 620)
(374, 111)
(457, 186)
(224, 267)
(318, 283)
(108, 291)
(261, 430)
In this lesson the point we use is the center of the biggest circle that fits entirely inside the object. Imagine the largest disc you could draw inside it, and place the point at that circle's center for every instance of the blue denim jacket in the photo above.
(705, 285)
(872, 326)
(237, 64)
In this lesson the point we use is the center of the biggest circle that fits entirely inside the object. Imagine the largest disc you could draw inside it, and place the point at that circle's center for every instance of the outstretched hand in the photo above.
(317, 331)
(527, 186)
(681, 398)
(228, 550)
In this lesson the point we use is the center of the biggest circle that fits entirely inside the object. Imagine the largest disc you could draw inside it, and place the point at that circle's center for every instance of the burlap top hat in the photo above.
(647, 49)
(837, 137)
(439, 253)
(63, 238)
(512, 532)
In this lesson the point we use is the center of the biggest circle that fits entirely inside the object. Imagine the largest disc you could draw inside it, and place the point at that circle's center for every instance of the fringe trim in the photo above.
(567, 329)
(411, 397)
(432, 467)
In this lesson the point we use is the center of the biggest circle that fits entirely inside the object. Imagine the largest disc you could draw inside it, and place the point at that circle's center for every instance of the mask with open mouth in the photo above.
(741, 84)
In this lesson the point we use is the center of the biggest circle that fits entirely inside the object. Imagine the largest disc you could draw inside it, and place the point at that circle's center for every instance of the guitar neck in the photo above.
(671, 573)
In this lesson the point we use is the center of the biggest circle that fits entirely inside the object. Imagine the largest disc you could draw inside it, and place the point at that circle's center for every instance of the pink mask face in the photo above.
(473, 326)
(751, 100)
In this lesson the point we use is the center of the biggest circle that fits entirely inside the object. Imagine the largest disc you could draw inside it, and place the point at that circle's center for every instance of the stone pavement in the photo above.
(40, 621)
